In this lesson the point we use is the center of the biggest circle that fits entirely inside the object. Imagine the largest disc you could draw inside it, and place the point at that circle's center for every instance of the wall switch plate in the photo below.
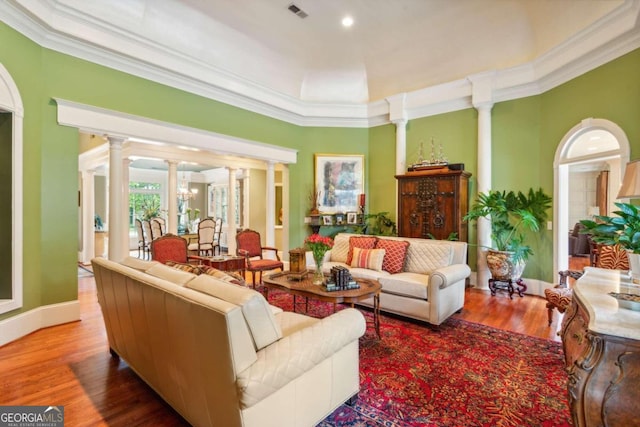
(549, 225)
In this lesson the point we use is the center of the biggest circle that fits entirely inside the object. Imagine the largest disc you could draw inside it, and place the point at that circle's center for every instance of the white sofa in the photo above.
(219, 354)
(430, 285)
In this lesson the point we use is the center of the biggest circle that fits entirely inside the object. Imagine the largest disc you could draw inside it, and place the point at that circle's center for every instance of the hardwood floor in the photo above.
(70, 365)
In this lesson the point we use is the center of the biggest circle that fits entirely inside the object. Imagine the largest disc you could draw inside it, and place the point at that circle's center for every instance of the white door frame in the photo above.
(561, 166)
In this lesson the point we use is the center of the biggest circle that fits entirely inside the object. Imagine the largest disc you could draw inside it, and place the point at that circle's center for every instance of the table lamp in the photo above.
(630, 187)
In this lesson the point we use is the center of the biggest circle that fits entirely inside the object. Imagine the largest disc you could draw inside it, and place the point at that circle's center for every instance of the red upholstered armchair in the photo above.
(248, 245)
(169, 248)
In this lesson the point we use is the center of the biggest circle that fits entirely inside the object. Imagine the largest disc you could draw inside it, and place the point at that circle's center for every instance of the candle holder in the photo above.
(361, 203)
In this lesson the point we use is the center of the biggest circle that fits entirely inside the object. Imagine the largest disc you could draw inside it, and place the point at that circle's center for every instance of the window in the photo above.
(144, 201)
(218, 201)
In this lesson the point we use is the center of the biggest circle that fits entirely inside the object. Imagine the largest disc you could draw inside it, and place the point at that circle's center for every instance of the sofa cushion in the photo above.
(412, 285)
(293, 322)
(170, 274)
(368, 258)
(138, 264)
(340, 249)
(395, 254)
(425, 257)
(257, 312)
(225, 276)
(362, 242)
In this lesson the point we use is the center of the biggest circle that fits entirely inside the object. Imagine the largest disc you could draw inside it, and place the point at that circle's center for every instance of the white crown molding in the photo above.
(102, 121)
(53, 26)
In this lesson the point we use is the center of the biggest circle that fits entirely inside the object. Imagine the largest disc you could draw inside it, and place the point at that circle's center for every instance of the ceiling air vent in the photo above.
(295, 9)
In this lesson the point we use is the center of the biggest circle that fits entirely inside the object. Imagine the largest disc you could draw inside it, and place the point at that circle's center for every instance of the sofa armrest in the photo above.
(293, 355)
(447, 276)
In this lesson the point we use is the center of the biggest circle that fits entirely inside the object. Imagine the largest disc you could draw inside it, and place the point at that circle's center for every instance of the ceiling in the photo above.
(393, 46)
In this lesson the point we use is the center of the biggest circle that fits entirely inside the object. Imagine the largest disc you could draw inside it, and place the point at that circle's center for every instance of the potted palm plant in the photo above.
(622, 229)
(511, 214)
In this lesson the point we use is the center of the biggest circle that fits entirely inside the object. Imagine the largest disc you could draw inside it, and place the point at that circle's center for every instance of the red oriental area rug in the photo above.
(458, 374)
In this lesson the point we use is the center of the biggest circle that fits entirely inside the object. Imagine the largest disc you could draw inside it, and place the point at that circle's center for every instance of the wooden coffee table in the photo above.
(304, 288)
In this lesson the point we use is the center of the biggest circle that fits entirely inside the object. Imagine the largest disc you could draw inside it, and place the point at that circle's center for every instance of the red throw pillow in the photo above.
(395, 252)
(361, 242)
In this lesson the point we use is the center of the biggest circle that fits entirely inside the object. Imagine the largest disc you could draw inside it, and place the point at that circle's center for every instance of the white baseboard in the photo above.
(25, 323)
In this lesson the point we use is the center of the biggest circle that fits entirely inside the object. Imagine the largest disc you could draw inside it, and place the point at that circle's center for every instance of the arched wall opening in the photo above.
(591, 144)
(11, 122)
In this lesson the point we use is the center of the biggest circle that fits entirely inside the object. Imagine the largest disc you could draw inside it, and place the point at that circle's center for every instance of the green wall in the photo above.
(526, 133)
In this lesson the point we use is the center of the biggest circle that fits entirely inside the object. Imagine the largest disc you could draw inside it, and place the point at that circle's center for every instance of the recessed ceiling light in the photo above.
(347, 21)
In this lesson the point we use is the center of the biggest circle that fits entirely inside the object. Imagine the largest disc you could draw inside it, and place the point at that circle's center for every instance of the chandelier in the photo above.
(184, 193)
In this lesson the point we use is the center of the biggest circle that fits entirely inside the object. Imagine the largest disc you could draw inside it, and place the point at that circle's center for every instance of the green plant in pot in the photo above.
(511, 215)
(622, 229)
(378, 224)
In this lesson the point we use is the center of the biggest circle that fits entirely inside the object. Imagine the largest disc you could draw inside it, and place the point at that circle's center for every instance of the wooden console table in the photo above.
(602, 351)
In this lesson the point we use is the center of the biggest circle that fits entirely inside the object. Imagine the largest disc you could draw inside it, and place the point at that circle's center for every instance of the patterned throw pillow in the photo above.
(395, 254)
(189, 268)
(361, 242)
(225, 276)
(368, 258)
(613, 257)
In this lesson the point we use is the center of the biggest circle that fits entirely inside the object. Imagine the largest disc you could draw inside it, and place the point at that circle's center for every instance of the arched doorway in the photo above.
(589, 148)
(11, 123)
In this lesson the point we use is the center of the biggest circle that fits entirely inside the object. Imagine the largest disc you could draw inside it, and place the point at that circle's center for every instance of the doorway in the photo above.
(589, 166)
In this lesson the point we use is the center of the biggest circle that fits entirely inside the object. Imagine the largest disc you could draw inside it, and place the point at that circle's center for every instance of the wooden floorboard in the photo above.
(70, 364)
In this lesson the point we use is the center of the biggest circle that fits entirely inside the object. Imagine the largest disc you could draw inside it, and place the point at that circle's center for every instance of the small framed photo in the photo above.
(327, 219)
(340, 219)
(352, 217)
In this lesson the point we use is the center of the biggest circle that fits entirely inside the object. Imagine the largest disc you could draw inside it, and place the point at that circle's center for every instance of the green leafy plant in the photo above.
(378, 224)
(623, 229)
(150, 209)
(511, 214)
(453, 236)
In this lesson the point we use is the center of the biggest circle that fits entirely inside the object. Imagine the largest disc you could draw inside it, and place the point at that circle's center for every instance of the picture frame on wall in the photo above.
(352, 217)
(327, 219)
(339, 181)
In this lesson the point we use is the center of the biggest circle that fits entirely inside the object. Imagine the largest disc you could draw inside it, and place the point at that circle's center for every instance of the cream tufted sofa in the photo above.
(429, 284)
(219, 354)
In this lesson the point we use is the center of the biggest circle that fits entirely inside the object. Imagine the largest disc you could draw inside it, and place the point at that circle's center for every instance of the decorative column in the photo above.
(484, 185)
(88, 216)
(401, 145)
(398, 116)
(482, 98)
(172, 197)
(285, 211)
(231, 213)
(117, 228)
(270, 239)
(125, 202)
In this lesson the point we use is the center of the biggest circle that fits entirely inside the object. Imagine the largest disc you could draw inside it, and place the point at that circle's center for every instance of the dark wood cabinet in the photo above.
(432, 203)
(602, 352)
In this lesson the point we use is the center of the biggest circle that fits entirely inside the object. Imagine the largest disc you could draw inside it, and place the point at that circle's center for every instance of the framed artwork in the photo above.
(327, 219)
(352, 217)
(339, 180)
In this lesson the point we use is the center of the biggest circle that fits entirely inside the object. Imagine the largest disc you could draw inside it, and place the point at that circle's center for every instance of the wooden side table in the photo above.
(223, 263)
